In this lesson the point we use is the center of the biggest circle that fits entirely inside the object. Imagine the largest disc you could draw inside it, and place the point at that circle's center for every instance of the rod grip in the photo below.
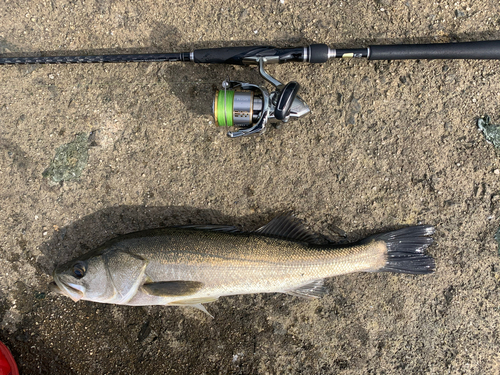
(467, 50)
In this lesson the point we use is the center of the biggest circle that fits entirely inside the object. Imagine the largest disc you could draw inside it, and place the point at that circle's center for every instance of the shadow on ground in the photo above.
(57, 335)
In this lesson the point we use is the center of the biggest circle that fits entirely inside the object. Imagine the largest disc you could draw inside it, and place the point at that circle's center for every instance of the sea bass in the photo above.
(196, 264)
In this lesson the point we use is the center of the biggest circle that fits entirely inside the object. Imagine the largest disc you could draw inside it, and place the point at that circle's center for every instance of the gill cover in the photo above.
(127, 275)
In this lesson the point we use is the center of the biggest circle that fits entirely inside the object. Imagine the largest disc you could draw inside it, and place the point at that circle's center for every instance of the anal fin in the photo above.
(313, 290)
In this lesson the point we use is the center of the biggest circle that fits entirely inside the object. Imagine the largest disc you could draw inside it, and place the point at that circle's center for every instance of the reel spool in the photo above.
(237, 108)
(250, 107)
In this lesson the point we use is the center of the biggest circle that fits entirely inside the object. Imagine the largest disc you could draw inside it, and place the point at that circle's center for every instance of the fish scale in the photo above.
(219, 258)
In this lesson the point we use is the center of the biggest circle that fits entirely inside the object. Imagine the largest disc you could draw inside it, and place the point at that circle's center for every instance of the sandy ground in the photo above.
(387, 144)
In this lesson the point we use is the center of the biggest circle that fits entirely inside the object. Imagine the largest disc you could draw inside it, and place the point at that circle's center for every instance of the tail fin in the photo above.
(405, 250)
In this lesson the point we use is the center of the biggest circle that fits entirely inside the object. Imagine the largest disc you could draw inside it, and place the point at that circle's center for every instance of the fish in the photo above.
(196, 264)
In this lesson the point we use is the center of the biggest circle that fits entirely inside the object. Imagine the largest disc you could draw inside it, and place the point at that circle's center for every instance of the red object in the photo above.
(7, 364)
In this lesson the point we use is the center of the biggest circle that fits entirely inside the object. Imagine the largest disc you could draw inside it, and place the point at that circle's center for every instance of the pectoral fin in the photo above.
(175, 288)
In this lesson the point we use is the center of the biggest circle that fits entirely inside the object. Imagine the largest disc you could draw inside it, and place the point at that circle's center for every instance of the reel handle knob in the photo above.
(285, 100)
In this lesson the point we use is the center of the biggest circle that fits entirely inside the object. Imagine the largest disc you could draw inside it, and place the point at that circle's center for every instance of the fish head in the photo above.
(83, 278)
(107, 275)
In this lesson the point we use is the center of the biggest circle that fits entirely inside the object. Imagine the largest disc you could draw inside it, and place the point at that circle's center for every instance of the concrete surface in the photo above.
(387, 144)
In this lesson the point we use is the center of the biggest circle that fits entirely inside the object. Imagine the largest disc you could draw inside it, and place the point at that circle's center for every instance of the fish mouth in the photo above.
(73, 291)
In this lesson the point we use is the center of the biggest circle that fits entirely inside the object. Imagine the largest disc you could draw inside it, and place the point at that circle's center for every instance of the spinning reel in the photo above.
(250, 107)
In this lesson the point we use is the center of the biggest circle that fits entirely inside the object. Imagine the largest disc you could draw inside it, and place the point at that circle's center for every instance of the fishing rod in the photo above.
(249, 107)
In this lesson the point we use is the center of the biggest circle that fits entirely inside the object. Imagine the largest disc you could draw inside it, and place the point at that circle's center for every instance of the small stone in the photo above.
(496, 171)
(244, 15)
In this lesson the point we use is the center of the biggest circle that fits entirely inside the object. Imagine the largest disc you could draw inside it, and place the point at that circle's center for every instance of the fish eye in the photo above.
(79, 270)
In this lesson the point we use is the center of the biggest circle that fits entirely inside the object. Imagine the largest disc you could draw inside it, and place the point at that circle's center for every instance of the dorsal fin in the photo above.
(288, 228)
(214, 227)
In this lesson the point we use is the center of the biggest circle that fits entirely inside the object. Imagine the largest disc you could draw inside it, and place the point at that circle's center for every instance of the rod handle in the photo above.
(466, 50)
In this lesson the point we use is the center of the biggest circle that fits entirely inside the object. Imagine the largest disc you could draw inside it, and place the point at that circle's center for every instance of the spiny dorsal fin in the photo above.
(316, 289)
(215, 227)
(288, 228)
(172, 288)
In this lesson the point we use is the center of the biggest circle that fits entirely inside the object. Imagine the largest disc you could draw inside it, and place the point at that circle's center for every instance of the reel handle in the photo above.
(285, 101)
